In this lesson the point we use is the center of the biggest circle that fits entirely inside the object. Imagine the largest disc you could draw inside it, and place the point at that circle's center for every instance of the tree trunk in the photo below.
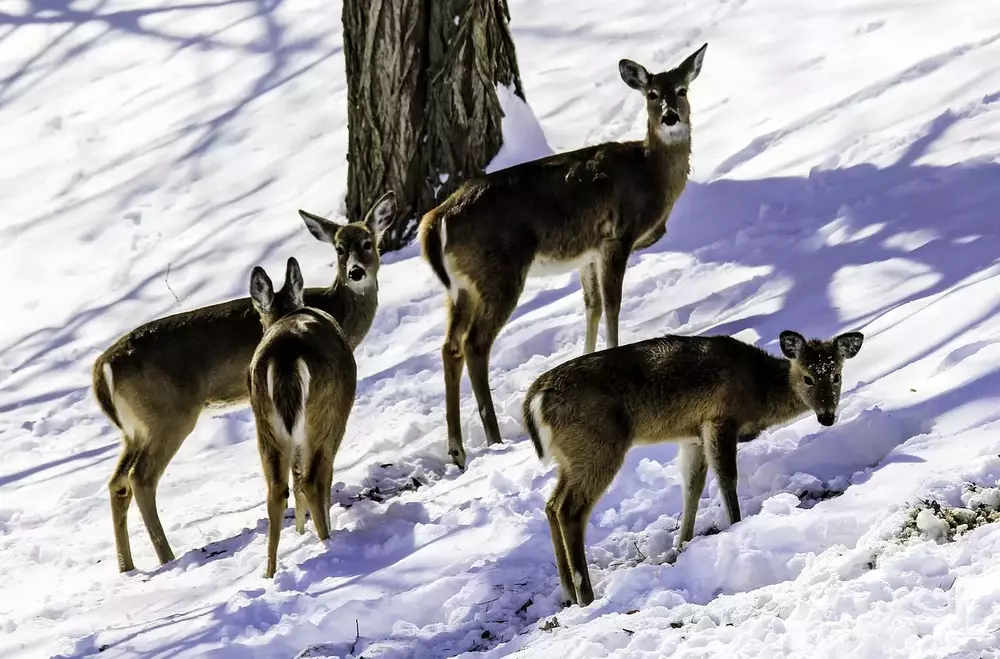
(385, 49)
(423, 112)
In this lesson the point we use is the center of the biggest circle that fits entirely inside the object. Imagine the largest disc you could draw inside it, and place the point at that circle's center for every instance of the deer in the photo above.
(707, 394)
(302, 380)
(154, 382)
(586, 210)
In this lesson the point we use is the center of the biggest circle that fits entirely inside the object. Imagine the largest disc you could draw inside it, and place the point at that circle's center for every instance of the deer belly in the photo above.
(647, 441)
(549, 266)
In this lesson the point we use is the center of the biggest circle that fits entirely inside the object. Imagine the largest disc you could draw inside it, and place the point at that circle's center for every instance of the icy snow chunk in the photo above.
(931, 524)
(651, 473)
(780, 504)
(987, 496)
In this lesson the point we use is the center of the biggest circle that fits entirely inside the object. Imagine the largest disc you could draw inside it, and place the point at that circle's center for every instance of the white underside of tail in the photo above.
(297, 433)
(544, 430)
(457, 281)
(131, 426)
(299, 429)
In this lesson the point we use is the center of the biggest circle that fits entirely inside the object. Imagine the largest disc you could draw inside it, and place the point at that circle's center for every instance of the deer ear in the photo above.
(320, 227)
(849, 344)
(634, 75)
(294, 285)
(691, 67)
(261, 290)
(791, 344)
(381, 215)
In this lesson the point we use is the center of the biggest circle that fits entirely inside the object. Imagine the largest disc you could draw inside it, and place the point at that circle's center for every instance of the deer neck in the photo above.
(671, 159)
(353, 309)
(670, 164)
(781, 401)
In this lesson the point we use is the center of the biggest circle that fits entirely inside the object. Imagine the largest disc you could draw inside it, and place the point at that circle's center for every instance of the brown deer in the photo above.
(705, 393)
(302, 381)
(587, 209)
(154, 382)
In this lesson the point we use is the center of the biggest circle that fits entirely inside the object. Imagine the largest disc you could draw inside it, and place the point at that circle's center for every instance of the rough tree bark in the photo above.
(423, 112)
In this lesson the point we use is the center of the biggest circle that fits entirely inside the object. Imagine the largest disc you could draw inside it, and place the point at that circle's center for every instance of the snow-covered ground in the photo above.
(846, 175)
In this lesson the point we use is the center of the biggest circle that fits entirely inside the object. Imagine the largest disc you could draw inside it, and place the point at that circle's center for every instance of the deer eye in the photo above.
(808, 380)
(367, 246)
(836, 378)
(652, 95)
(682, 92)
(340, 250)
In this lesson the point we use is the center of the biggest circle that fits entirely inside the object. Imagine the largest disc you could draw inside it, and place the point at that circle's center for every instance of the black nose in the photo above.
(357, 273)
(670, 118)
(826, 419)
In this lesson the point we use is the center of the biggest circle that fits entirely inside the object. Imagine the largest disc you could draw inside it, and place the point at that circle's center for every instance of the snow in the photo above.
(931, 524)
(845, 169)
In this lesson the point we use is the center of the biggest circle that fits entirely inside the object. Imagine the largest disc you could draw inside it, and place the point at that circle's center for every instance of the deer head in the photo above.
(356, 242)
(666, 93)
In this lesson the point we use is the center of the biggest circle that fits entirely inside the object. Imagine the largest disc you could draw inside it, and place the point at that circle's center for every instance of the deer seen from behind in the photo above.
(302, 381)
(705, 393)
(585, 210)
(154, 382)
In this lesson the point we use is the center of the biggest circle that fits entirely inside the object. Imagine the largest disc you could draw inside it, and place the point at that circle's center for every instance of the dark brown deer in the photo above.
(302, 382)
(705, 393)
(585, 210)
(154, 382)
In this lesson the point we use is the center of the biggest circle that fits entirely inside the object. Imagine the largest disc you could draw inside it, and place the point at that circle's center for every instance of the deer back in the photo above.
(565, 205)
(304, 365)
(664, 389)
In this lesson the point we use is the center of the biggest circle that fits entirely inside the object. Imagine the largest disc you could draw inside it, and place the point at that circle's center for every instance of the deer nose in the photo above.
(357, 273)
(670, 118)
(826, 418)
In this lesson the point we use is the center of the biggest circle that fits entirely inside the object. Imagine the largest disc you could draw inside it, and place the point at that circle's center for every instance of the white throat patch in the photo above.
(362, 287)
(679, 132)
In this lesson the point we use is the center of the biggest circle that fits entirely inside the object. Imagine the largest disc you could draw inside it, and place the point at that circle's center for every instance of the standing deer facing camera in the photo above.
(302, 381)
(585, 210)
(705, 393)
(154, 382)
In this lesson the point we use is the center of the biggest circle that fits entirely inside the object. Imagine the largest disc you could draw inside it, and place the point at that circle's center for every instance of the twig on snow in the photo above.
(166, 280)
(357, 636)
(639, 551)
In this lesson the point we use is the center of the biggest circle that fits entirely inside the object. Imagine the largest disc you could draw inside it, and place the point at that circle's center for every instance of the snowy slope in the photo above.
(846, 176)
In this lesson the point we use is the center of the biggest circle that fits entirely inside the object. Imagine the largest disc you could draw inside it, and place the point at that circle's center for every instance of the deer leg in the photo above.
(326, 486)
(590, 283)
(614, 259)
(453, 362)
(594, 467)
(274, 462)
(559, 544)
(720, 439)
(477, 348)
(121, 496)
(301, 507)
(322, 476)
(154, 456)
(573, 514)
(498, 304)
(312, 490)
(694, 469)
(144, 478)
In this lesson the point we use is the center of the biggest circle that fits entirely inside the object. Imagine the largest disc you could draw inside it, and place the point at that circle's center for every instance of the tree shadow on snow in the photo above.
(814, 232)
(69, 33)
